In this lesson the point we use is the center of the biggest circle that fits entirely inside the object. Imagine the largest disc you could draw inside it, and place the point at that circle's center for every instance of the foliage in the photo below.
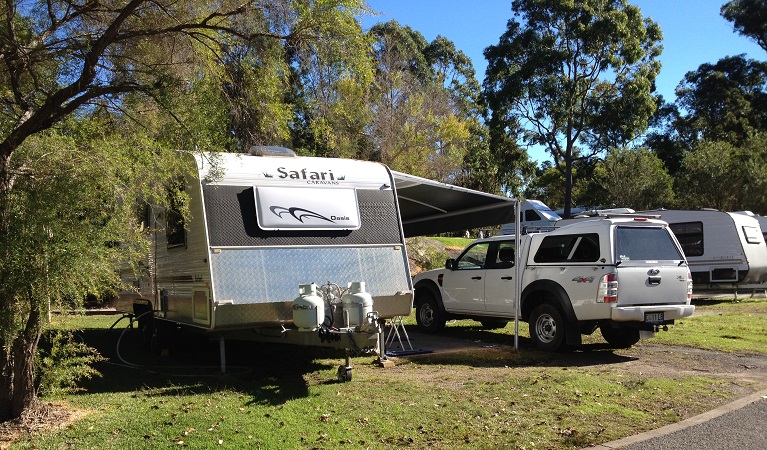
(634, 178)
(725, 101)
(749, 18)
(63, 362)
(424, 110)
(426, 253)
(574, 77)
(722, 176)
(158, 74)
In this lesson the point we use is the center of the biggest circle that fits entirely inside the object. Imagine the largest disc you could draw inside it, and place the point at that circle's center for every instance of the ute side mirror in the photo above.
(450, 264)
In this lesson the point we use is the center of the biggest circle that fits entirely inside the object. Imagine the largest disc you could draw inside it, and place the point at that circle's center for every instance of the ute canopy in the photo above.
(428, 207)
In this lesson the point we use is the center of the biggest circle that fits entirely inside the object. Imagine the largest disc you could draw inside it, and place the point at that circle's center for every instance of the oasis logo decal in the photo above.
(300, 214)
(307, 207)
(311, 177)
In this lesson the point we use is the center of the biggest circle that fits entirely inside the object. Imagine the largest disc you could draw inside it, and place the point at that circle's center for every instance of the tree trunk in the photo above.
(17, 386)
(568, 187)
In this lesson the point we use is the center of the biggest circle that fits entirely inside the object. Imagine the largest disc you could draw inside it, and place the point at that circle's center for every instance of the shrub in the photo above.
(62, 360)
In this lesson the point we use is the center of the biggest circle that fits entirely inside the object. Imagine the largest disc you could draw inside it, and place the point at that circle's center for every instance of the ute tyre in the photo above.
(547, 328)
(619, 337)
(428, 315)
(493, 324)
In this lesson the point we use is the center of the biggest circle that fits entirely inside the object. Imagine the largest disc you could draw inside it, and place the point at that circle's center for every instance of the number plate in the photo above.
(654, 317)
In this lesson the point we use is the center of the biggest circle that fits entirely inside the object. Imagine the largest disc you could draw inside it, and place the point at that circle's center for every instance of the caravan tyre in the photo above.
(428, 315)
(344, 374)
(619, 337)
(547, 328)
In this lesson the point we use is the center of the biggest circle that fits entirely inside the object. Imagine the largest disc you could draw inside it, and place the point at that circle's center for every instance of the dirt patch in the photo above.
(44, 417)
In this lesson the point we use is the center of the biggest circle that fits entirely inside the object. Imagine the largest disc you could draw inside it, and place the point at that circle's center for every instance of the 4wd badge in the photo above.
(583, 279)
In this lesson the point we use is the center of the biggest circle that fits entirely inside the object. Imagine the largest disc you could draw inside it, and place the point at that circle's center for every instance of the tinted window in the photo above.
(474, 257)
(690, 237)
(645, 244)
(504, 258)
(570, 248)
(531, 215)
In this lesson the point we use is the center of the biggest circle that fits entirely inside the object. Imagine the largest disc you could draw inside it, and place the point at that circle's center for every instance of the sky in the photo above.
(693, 31)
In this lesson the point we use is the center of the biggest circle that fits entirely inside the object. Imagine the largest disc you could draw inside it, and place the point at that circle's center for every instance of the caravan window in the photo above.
(752, 235)
(531, 216)
(571, 248)
(175, 231)
(690, 237)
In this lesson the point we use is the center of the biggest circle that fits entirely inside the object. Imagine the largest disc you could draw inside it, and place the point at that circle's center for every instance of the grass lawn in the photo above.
(280, 397)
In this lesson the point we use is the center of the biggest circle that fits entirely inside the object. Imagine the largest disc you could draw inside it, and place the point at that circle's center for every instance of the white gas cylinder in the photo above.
(308, 308)
(357, 303)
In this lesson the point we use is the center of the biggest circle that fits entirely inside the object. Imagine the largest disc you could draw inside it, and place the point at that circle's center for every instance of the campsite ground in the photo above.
(473, 389)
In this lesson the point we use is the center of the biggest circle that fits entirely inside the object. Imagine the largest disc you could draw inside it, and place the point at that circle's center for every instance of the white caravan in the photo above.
(288, 249)
(533, 214)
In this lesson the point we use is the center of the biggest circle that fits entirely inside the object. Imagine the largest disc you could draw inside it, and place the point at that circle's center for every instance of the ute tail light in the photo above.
(608, 289)
(689, 287)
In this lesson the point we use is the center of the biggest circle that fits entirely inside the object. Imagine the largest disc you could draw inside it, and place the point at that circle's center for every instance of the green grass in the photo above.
(452, 241)
(729, 325)
(286, 397)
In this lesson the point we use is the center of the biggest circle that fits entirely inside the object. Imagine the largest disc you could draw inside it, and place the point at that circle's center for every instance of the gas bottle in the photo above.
(357, 303)
(308, 308)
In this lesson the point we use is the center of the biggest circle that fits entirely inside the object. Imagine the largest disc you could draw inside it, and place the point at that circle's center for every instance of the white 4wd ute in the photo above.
(621, 275)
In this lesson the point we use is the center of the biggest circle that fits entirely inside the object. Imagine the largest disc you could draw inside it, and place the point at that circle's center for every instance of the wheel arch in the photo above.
(430, 287)
(548, 291)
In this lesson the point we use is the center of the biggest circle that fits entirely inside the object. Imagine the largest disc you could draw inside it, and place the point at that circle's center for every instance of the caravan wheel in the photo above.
(344, 374)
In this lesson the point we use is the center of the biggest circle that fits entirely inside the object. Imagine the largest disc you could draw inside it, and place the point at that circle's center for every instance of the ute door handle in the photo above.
(476, 278)
(505, 278)
(654, 280)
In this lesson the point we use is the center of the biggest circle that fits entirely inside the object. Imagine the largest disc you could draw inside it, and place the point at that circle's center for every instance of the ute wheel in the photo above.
(344, 374)
(428, 315)
(547, 328)
(619, 337)
(493, 324)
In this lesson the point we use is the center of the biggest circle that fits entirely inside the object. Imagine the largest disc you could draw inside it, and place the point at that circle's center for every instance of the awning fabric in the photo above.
(428, 207)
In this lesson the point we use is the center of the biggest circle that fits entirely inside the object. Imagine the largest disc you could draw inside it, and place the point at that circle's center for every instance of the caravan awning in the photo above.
(428, 207)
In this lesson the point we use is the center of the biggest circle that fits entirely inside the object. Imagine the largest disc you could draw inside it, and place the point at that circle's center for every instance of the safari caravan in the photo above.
(287, 249)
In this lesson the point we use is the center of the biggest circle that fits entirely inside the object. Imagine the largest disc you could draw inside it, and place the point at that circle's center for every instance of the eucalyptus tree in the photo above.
(749, 17)
(721, 175)
(575, 77)
(425, 110)
(634, 178)
(723, 101)
(70, 58)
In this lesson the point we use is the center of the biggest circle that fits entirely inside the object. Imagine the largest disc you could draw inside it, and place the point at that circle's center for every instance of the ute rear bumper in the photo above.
(637, 313)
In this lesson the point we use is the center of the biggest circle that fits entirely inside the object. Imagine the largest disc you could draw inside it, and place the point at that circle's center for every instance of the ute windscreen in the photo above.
(645, 244)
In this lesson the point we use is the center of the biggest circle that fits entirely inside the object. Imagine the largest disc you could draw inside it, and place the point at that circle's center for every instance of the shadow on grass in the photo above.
(467, 344)
(270, 373)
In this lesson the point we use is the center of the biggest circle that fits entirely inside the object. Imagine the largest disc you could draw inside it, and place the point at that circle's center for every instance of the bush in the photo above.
(62, 360)
(425, 254)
